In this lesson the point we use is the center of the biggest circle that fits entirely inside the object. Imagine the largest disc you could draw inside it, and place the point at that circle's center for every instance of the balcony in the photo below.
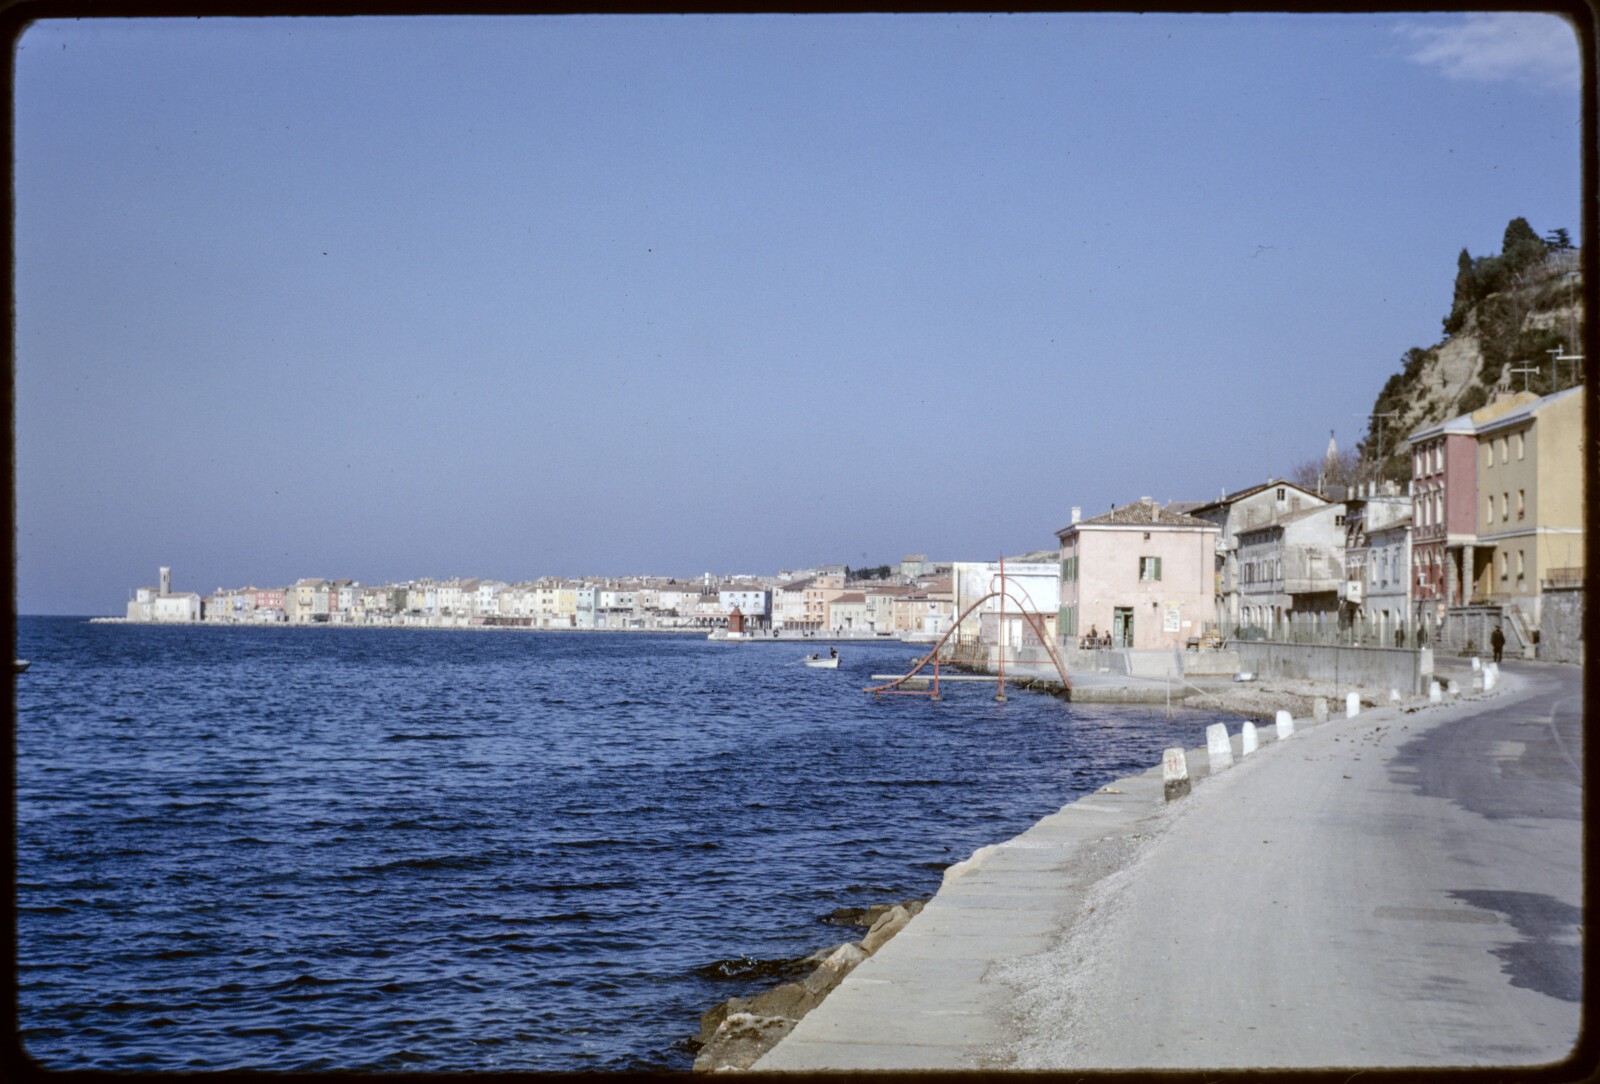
(1562, 577)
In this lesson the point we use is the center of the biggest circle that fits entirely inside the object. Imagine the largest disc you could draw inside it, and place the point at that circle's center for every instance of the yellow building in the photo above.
(1530, 500)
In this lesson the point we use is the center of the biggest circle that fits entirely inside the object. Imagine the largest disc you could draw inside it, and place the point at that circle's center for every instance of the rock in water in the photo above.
(833, 970)
(741, 1039)
(893, 921)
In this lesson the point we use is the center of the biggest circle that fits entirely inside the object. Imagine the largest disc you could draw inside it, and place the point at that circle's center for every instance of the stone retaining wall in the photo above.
(1374, 667)
(1561, 625)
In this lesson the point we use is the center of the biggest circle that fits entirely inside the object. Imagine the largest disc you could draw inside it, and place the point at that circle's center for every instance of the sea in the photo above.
(324, 848)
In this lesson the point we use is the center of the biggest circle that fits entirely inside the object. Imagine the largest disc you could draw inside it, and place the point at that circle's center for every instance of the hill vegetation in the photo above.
(1518, 309)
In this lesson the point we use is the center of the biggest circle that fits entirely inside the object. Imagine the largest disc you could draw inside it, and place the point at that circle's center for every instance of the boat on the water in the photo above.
(818, 662)
(22, 665)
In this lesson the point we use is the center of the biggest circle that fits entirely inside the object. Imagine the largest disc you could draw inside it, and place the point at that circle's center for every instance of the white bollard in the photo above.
(1394, 696)
(1248, 742)
(1477, 663)
(1489, 677)
(1452, 688)
(1352, 705)
(1319, 710)
(1218, 750)
(1285, 725)
(1435, 694)
(1477, 681)
(1174, 774)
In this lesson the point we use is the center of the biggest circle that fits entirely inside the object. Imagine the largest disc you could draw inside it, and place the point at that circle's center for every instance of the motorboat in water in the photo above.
(821, 662)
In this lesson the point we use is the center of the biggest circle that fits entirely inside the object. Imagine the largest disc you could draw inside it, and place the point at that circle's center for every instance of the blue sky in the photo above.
(508, 297)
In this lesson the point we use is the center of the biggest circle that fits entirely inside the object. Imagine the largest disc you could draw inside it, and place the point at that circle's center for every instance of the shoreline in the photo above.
(942, 998)
(739, 1033)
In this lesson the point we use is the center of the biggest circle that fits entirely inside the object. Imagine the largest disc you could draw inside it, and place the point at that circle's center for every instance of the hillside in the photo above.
(1509, 310)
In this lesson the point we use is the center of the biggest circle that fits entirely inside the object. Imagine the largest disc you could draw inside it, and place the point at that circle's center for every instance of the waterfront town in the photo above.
(1487, 534)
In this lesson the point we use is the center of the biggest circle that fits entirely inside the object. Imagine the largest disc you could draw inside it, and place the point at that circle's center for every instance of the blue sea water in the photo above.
(379, 849)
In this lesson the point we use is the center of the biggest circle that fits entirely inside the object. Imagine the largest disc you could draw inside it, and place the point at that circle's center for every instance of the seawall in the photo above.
(944, 993)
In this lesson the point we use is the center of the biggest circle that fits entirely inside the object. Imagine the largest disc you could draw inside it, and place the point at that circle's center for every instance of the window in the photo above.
(1503, 567)
(1505, 448)
(1505, 506)
(1519, 445)
(1280, 493)
(1520, 505)
(1149, 568)
(1489, 508)
(1519, 566)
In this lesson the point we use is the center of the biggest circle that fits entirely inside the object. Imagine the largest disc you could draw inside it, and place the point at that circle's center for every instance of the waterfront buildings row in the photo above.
(817, 600)
(1492, 522)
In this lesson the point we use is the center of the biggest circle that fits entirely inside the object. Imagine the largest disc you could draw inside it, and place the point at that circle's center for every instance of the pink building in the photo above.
(1142, 574)
(1446, 559)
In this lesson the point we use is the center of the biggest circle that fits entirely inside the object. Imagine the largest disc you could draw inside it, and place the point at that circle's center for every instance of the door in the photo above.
(1122, 626)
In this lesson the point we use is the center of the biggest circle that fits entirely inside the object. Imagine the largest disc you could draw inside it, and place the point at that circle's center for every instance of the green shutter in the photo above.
(1158, 568)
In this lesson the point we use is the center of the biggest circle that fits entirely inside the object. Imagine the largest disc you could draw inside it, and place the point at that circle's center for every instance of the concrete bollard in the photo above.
(1285, 725)
(1352, 705)
(1319, 710)
(1452, 688)
(1489, 677)
(1477, 663)
(1248, 742)
(1394, 696)
(1217, 747)
(1174, 774)
(1435, 694)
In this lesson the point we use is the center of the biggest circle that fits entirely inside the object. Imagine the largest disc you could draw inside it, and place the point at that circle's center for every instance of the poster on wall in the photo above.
(1170, 624)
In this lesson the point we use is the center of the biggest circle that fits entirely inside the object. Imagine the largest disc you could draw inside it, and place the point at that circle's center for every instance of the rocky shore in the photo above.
(738, 1031)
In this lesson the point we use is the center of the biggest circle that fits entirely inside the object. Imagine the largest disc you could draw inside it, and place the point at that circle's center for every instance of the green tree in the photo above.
(1557, 240)
(1520, 245)
(1466, 293)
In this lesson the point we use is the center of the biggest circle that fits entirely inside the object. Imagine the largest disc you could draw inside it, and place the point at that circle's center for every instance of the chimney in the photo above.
(1076, 512)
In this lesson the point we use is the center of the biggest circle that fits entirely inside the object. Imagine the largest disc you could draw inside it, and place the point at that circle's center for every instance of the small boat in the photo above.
(22, 665)
(817, 662)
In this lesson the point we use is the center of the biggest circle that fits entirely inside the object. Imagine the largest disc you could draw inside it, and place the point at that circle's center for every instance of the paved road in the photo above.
(1400, 889)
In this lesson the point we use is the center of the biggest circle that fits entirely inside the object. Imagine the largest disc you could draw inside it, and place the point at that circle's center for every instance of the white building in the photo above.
(1034, 587)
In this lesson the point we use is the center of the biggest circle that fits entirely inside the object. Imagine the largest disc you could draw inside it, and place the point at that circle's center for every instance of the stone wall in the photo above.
(1561, 625)
(1467, 629)
(1375, 667)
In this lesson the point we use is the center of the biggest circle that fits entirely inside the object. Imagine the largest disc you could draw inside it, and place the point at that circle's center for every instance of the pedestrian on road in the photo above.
(1497, 640)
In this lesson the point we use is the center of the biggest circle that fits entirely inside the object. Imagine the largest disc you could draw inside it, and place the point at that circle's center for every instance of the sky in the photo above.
(387, 298)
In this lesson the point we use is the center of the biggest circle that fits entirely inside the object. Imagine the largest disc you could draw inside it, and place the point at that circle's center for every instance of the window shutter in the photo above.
(1158, 568)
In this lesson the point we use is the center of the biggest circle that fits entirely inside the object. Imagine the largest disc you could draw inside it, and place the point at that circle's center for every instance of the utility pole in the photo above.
(1558, 355)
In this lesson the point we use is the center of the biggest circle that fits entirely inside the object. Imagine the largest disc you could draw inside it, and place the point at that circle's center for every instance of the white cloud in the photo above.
(1504, 45)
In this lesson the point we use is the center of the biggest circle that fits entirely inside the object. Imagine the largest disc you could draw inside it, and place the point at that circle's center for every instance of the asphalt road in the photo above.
(1400, 889)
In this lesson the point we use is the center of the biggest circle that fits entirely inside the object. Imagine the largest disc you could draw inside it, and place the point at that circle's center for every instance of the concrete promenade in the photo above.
(1402, 888)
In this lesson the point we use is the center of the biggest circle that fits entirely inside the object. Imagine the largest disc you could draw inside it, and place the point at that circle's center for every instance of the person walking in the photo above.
(1497, 640)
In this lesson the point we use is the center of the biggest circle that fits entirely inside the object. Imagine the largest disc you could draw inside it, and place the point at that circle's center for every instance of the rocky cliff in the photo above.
(1516, 309)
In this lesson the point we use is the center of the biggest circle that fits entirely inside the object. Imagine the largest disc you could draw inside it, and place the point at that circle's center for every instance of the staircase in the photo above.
(1521, 637)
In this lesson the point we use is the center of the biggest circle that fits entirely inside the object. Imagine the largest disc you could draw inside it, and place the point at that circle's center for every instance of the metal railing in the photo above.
(1330, 629)
(1562, 577)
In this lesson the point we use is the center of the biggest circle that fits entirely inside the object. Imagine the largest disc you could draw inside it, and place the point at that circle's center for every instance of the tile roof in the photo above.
(1139, 513)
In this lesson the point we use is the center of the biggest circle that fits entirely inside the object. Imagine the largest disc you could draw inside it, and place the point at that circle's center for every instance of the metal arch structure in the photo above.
(933, 656)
